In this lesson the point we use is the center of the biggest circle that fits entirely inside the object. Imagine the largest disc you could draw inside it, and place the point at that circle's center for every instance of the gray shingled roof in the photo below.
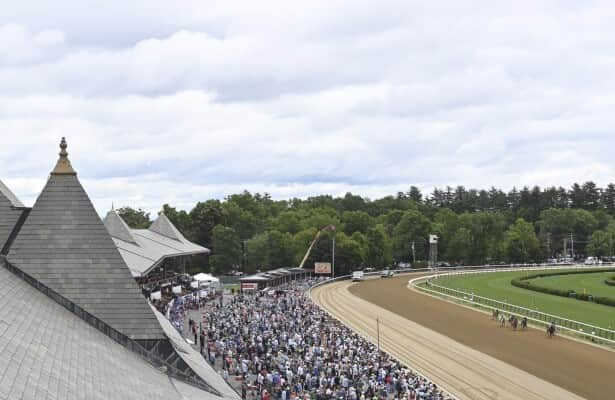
(9, 214)
(165, 227)
(46, 352)
(9, 195)
(64, 245)
(144, 249)
(117, 227)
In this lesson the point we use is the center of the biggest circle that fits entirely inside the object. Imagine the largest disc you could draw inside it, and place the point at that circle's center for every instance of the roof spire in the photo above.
(63, 166)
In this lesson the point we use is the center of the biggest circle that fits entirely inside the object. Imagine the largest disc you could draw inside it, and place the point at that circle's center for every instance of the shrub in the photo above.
(524, 282)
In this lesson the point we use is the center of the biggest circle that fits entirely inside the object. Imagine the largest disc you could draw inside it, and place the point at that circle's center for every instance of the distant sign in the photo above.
(322, 268)
(433, 238)
(249, 286)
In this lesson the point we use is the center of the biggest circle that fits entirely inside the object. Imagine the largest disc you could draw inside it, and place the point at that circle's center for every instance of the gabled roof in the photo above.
(148, 247)
(49, 352)
(64, 245)
(117, 227)
(165, 227)
(11, 210)
(6, 193)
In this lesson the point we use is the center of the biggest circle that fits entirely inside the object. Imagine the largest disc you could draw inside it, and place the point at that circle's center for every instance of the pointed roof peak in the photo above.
(63, 166)
(118, 228)
(165, 227)
(9, 195)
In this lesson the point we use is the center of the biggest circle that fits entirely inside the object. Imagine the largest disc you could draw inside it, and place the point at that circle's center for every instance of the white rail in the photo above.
(541, 318)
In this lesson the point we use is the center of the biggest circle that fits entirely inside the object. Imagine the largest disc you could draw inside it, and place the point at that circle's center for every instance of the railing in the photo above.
(539, 317)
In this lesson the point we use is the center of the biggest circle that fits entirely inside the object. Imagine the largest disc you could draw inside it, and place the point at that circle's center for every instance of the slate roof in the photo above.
(10, 211)
(6, 193)
(144, 249)
(64, 245)
(46, 352)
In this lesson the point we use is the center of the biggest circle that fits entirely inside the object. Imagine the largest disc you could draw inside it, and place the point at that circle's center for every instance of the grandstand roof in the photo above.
(145, 249)
(47, 352)
(7, 194)
(73, 324)
(11, 210)
(64, 245)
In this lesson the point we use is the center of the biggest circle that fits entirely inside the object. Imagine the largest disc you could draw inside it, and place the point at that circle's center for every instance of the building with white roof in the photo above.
(145, 249)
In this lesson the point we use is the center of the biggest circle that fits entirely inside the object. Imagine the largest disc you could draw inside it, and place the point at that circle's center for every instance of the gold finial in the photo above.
(63, 166)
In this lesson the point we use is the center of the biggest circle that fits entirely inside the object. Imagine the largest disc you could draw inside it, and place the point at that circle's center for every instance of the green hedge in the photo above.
(610, 281)
(524, 283)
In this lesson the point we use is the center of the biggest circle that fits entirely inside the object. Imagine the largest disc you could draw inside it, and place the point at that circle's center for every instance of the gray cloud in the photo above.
(176, 105)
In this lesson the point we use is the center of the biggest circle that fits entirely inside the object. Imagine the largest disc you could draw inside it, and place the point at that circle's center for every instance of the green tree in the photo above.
(413, 227)
(378, 247)
(356, 221)
(279, 250)
(181, 219)
(521, 243)
(348, 254)
(226, 249)
(257, 257)
(600, 244)
(136, 219)
(459, 246)
(203, 218)
(243, 221)
(287, 221)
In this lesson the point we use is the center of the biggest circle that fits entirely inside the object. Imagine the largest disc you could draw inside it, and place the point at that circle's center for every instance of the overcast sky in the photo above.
(175, 105)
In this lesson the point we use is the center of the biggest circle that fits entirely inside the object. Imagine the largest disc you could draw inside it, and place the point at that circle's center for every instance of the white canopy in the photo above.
(202, 277)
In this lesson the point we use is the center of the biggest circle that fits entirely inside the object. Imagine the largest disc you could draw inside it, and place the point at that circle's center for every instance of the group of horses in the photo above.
(514, 322)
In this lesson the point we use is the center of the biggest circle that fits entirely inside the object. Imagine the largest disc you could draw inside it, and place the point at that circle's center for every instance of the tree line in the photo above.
(254, 232)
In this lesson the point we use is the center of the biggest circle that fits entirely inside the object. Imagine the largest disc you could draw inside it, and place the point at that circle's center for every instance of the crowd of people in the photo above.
(285, 347)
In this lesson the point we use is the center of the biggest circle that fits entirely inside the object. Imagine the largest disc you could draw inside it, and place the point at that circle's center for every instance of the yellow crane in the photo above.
(318, 234)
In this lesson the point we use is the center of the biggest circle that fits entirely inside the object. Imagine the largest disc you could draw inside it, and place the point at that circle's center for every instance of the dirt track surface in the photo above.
(476, 359)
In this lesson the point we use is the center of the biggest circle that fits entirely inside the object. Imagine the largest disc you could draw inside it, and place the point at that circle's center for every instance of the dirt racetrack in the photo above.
(466, 352)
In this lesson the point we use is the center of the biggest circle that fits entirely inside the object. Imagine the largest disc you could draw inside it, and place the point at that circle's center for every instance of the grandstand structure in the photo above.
(144, 250)
(73, 321)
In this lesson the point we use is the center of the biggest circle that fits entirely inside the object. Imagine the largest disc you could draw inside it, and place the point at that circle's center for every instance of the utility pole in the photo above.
(333, 258)
(572, 245)
(565, 249)
(549, 244)
(413, 254)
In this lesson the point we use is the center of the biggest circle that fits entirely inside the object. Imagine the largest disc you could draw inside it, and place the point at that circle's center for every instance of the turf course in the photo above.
(583, 283)
(496, 285)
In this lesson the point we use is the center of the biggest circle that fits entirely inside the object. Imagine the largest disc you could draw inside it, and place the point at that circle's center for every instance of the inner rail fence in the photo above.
(536, 316)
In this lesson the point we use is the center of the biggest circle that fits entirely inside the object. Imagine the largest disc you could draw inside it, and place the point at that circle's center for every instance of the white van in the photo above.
(357, 276)
(591, 261)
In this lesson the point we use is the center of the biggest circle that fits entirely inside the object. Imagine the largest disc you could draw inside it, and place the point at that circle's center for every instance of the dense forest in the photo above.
(252, 232)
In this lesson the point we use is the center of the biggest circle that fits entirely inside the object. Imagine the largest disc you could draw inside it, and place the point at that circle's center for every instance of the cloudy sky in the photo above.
(207, 98)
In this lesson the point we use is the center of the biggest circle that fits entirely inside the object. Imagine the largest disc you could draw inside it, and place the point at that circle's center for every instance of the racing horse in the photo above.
(514, 322)
(524, 323)
(551, 329)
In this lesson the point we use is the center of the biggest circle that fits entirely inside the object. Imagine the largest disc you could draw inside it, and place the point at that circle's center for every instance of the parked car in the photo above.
(442, 264)
(357, 276)
(591, 261)
(386, 273)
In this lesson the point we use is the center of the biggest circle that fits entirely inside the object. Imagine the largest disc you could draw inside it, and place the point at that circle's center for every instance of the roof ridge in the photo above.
(163, 226)
(10, 196)
(118, 228)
